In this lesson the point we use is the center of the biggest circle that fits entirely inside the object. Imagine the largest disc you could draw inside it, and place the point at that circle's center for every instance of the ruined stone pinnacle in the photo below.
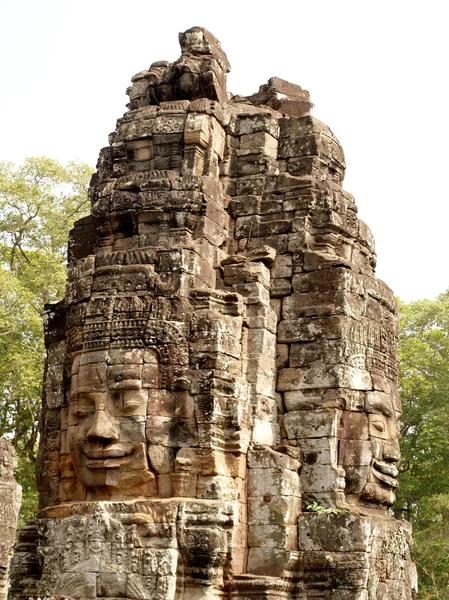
(221, 407)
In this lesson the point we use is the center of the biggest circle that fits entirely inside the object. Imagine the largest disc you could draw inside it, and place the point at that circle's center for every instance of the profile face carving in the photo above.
(107, 417)
(382, 480)
(370, 453)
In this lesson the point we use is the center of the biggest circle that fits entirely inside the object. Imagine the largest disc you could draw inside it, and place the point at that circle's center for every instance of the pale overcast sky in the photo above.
(377, 72)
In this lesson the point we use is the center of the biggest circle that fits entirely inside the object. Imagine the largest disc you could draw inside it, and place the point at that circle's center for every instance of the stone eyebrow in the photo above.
(382, 407)
(86, 392)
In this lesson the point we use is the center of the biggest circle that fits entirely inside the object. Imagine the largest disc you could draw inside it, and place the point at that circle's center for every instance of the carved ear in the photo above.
(70, 487)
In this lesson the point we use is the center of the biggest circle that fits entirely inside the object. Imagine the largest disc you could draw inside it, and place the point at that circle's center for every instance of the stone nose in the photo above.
(391, 452)
(102, 428)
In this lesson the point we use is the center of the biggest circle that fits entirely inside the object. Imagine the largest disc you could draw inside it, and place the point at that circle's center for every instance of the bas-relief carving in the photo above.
(224, 357)
(106, 553)
(119, 551)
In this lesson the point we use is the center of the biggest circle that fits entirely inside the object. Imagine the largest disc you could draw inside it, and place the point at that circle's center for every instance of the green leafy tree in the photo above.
(423, 497)
(39, 202)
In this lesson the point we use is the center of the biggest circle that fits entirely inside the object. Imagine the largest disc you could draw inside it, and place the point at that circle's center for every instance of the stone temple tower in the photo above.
(221, 407)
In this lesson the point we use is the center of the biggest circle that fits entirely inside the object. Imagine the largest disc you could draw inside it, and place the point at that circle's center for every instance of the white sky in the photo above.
(377, 72)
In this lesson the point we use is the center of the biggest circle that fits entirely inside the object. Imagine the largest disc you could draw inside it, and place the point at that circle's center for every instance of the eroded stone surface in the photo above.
(223, 359)
(10, 498)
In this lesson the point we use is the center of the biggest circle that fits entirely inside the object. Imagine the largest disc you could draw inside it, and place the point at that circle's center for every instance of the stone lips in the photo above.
(224, 358)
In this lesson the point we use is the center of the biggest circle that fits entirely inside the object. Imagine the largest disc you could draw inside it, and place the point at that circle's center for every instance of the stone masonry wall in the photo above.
(10, 498)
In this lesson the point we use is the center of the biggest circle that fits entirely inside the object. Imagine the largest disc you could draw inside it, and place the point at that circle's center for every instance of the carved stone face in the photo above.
(382, 480)
(108, 407)
(369, 452)
(194, 41)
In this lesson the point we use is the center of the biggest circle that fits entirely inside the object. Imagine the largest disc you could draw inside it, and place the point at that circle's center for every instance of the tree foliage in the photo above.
(424, 383)
(39, 202)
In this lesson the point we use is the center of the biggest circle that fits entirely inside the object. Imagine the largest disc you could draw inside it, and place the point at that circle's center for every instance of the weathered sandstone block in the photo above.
(10, 498)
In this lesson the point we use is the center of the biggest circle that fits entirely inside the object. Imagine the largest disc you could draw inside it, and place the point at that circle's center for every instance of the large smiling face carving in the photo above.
(106, 435)
(382, 482)
(369, 452)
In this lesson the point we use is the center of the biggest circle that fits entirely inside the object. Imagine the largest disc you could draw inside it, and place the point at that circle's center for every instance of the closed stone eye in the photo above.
(80, 412)
(130, 407)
